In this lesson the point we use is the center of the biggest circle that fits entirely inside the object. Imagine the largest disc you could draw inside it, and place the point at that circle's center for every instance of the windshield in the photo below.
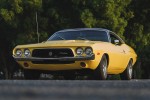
(91, 35)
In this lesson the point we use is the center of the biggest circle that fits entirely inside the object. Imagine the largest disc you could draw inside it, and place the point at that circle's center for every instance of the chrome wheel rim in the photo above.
(105, 69)
(130, 70)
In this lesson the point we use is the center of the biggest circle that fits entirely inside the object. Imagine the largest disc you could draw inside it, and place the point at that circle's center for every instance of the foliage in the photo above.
(138, 33)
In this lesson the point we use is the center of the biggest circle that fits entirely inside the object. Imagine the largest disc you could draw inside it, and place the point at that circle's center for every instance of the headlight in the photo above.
(79, 51)
(18, 53)
(27, 53)
(88, 51)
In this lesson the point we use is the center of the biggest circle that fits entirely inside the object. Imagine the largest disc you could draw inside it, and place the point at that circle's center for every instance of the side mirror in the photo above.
(116, 42)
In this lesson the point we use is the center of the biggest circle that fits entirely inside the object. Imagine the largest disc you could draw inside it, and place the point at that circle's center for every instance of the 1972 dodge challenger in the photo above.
(95, 52)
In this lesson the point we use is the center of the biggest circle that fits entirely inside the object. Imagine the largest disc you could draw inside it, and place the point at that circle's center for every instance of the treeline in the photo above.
(128, 18)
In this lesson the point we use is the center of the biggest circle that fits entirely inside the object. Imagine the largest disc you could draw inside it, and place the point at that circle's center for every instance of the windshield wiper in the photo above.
(82, 38)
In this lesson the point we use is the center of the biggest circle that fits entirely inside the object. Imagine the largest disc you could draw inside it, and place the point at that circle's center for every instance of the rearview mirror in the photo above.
(116, 42)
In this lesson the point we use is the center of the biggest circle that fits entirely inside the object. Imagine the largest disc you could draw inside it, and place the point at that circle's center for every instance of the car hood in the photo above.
(64, 43)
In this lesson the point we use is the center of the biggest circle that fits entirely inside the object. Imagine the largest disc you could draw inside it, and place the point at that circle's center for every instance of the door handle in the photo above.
(124, 51)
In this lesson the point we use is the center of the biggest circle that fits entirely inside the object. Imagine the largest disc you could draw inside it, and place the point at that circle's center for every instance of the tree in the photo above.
(138, 33)
(16, 17)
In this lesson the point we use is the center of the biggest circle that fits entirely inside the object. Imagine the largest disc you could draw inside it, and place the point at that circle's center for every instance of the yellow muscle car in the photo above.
(95, 52)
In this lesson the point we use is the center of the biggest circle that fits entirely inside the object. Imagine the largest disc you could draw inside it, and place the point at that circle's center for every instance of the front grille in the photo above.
(52, 53)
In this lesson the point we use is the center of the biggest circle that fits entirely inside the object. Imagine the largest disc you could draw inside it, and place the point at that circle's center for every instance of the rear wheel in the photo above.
(101, 70)
(127, 74)
(31, 74)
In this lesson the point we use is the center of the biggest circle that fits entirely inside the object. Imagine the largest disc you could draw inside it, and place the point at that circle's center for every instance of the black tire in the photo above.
(31, 74)
(127, 74)
(101, 70)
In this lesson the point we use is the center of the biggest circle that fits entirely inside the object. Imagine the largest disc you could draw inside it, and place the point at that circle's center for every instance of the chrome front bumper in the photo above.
(77, 58)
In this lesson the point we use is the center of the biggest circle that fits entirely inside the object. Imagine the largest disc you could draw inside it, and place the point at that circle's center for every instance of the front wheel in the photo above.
(101, 70)
(127, 74)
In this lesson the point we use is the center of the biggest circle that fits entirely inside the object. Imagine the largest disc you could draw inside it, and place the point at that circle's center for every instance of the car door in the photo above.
(117, 53)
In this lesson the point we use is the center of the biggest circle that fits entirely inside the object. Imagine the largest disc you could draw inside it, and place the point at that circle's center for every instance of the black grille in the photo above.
(52, 53)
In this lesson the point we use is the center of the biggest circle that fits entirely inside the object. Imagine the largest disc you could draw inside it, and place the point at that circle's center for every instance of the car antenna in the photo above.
(37, 28)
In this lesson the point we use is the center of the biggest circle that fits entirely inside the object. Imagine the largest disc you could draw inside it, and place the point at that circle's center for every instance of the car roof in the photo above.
(82, 29)
(97, 29)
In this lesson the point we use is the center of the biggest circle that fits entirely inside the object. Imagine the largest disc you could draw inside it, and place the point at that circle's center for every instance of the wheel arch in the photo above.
(107, 57)
(130, 59)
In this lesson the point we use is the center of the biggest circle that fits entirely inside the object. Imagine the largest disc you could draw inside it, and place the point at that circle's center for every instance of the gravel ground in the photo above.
(75, 90)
